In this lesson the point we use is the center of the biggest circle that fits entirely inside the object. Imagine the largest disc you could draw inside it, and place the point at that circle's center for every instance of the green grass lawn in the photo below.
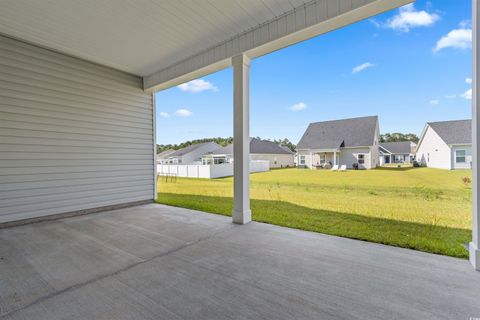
(418, 208)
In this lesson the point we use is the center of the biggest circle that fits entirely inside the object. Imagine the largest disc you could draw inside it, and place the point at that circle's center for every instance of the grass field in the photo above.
(418, 208)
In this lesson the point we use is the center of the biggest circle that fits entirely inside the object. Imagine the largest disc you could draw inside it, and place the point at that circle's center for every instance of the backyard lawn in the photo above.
(419, 208)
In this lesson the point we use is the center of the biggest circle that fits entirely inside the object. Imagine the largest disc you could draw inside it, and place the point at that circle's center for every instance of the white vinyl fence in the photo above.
(207, 171)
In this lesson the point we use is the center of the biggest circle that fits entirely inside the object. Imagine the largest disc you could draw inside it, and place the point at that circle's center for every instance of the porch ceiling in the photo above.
(165, 40)
(139, 37)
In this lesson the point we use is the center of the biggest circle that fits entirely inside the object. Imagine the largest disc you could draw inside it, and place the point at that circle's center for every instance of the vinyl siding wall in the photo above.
(282, 160)
(433, 151)
(349, 156)
(73, 135)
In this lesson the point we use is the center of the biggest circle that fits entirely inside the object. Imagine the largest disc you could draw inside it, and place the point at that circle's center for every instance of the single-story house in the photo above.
(191, 154)
(396, 152)
(340, 142)
(278, 156)
(162, 156)
(446, 145)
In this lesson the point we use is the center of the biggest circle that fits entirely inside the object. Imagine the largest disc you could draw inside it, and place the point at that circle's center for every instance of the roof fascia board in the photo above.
(424, 131)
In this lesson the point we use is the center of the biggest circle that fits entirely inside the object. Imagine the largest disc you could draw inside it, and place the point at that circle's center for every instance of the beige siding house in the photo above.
(446, 145)
(277, 156)
(348, 142)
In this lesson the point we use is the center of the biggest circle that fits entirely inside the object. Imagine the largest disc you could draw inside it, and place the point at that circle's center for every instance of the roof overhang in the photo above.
(171, 42)
(304, 22)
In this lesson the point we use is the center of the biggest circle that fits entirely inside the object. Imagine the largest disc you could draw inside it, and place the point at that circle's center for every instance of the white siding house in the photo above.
(162, 157)
(340, 142)
(191, 154)
(446, 145)
(396, 152)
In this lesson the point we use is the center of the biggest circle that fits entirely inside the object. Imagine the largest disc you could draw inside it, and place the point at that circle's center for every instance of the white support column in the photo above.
(241, 139)
(154, 133)
(475, 244)
(334, 157)
(311, 160)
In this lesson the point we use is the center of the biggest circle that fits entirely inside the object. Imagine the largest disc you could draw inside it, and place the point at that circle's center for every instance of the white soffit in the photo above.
(172, 41)
(136, 36)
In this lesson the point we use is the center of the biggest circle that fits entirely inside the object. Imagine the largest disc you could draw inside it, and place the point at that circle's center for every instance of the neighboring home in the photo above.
(278, 156)
(396, 152)
(340, 142)
(162, 156)
(446, 145)
(191, 154)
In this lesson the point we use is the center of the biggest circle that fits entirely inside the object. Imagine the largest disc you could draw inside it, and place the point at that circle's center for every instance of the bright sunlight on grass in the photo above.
(418, 208)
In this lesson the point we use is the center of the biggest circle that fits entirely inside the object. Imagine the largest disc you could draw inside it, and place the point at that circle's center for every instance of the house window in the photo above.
(218, 160)
(361, 159)
(322, 159)
(460, 156)
(302, 160)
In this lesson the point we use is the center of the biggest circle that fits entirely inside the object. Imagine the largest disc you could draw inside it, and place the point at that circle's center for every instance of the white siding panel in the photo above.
(275, 160)
(73, 135)
(350, 156)
(433, 151)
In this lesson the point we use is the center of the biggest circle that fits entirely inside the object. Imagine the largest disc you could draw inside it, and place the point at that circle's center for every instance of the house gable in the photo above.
(432, 150)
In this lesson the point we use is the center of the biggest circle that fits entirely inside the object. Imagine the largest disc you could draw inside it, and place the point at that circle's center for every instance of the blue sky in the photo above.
(408, 66)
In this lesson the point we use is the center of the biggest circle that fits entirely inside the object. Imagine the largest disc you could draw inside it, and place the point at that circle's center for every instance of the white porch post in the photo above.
(475, 244)
(334, 157)
(311, 160)
(241, 140)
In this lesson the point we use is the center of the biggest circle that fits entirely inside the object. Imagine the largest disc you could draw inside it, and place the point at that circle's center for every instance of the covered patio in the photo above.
(159, 262)
(77, 136)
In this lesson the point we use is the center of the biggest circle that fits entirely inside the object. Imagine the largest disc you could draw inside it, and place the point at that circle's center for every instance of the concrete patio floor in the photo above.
(159, 262)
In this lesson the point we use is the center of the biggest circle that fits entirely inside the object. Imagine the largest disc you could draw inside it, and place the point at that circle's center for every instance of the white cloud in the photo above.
(362, 67)
(451, 96)
(467, 94)
(197, 85)
(408, 17)
(183, 113)
(457, 38)
(465, 24)
(434, 102)
(164, 114)
(298, 106)
(468, 80)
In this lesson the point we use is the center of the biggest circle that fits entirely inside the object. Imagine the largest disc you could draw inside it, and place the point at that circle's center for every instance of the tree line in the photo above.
(398, 137)
(219, 140)
(387, 137)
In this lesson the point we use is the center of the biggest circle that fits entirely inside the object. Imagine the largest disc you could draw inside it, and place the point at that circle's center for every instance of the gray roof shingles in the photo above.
(401, 147)
(354, 132)
(189, 149)
(453, 132)
(165, 153)
(257, 146)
